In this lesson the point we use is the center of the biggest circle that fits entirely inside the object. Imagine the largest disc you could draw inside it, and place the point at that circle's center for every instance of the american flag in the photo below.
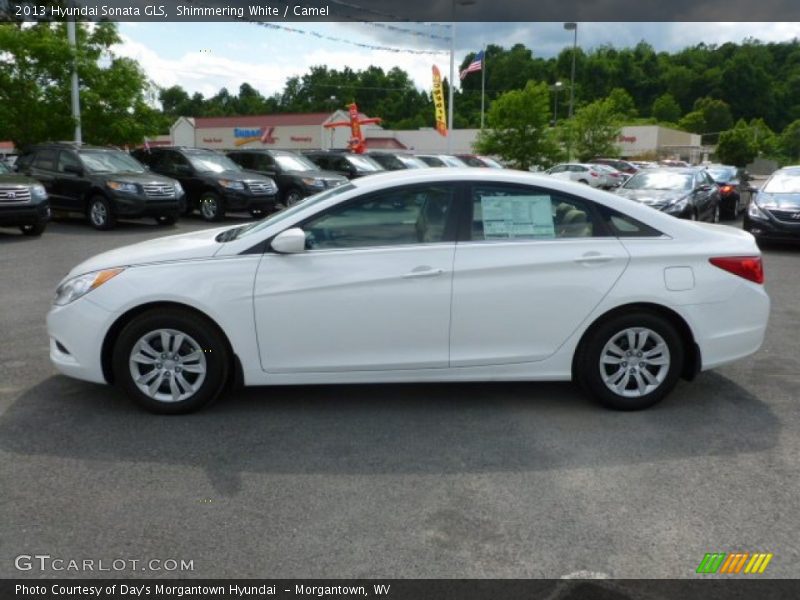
(475, 65)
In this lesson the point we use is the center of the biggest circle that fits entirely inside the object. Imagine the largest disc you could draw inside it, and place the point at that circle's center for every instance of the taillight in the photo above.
(726, 189)
(749, 267)
(592, 173)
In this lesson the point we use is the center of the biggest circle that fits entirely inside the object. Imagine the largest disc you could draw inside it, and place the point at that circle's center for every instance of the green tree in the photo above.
(737, 146)
(666, 109)
(35, 68)
(595, 130)
(518, 128)
(789, 142)
(622, 104)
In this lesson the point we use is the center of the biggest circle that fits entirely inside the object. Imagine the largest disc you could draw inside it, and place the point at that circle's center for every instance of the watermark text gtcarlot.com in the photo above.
(45, 562)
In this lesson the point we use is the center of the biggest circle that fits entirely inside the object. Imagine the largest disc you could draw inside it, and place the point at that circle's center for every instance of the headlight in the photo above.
(311, 181)
(230, 184)
(178, 189)
(678, 205)
(74, 288)
(38, 191)
(122, 186)
(754, 211)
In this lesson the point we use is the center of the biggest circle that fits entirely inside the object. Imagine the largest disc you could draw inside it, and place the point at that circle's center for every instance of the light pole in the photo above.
(74, 91)
(572, 27)
(556, 87)
(451, 85)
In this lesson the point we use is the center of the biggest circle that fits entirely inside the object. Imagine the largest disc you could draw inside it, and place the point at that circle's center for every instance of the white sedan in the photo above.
(428, 275)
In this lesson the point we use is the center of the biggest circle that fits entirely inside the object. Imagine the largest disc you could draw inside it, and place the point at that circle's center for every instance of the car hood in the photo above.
(9, 179)
(328, 175)
(652, 197)
(186, 246)
(246, 175)
(779, 201)
(140, 178)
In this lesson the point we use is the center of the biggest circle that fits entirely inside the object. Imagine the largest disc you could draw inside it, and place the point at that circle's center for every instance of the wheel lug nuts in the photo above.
(641, 364)
(624, 363)
(158, 365)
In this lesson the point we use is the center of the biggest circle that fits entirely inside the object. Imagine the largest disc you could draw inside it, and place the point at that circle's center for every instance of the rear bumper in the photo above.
(731, 330)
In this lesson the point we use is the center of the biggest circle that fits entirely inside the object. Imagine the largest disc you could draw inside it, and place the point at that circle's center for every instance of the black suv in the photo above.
(295, 175)
(343, 163)
(214, 184)
(101, 183)
(23, 202)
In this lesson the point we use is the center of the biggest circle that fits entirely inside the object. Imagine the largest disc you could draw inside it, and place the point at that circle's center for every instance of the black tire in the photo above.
(100, 214)
(167, 220)
(292, 196)
(590, 372)
(34, 230)
(211, 208)
(197, 329)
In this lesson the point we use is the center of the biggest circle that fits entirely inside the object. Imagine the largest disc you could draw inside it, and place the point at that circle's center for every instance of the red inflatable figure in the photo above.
(356, 143)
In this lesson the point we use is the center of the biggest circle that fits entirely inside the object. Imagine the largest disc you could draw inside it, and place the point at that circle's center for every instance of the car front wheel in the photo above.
(630, 362)
(100, 214)
(171, 361)
(34, 230)
(211, 207)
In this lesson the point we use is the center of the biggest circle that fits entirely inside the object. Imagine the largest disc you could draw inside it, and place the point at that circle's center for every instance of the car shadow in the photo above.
(388, 429)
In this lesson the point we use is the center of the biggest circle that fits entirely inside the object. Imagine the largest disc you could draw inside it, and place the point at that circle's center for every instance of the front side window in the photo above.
(45, 159)
(416, 215)
(501, 212)
(68, 159)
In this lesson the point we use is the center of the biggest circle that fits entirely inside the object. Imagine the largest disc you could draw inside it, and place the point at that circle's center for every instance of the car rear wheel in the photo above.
(33, 230)
(171, 361)
(630, 362)
(211, 207)
(99, 214)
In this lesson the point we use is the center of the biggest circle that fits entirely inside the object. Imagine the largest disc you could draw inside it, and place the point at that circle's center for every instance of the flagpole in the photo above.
(483, 83)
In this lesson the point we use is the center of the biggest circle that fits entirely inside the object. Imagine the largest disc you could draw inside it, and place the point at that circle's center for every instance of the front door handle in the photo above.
(423, 272)
(594, 258)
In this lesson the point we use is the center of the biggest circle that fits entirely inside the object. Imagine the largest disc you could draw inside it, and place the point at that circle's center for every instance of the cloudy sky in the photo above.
(204, 57)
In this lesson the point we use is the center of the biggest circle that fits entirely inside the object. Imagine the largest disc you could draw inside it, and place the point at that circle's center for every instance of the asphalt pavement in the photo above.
(410, 481)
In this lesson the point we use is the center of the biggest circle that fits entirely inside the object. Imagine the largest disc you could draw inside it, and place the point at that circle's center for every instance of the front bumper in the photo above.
(766, 226)
(76, 332)
(246, 200)
(129, 205)
(28, 214)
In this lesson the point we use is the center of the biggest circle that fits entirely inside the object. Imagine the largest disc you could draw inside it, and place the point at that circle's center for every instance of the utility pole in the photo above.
(76, 100)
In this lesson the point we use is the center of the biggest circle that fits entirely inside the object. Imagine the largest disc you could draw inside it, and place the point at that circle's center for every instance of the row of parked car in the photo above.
(105, 184)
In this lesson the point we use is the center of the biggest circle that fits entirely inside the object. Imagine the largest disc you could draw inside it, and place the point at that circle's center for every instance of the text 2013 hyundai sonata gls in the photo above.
(454, 275)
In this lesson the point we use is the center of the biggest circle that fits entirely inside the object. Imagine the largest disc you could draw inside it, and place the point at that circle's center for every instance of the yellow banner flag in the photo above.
(438, 102)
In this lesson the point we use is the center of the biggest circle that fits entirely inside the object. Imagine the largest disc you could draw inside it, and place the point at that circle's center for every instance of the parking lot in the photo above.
(424, 481)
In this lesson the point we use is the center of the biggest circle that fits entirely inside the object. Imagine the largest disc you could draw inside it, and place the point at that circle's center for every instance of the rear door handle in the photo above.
(594, 258)
(420, 272)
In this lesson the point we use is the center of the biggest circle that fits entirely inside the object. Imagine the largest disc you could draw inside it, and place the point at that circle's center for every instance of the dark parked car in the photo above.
(441, 160)
(23, 202)
(295, 175)
(103, 184)
(620, 165)
(476, 160)
(214, 184)
(344, 163)
(774, 210)
(684, 193)
(734, 189)
(395, 161)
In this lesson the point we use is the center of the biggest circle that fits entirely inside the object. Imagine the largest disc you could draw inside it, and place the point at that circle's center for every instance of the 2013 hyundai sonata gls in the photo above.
(456, 275)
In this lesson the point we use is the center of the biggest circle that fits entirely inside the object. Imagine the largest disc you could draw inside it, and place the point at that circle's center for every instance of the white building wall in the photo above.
(182, 132)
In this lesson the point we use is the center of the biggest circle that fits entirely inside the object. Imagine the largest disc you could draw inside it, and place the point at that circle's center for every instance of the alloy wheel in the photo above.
(634, 362)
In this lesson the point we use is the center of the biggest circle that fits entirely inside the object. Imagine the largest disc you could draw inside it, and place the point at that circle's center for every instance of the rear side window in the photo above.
(45, 159)
(505, 212)
(624, 226)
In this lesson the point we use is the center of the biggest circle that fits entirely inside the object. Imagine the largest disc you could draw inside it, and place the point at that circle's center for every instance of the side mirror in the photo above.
(291, 241)
(74, 169)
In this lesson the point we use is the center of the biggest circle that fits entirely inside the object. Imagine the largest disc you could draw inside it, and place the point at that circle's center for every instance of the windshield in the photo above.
(109, 161)
(660, 181)
(721, 173)
(490, 162)
(245, 230)
(3, 168)
(784, 183)
(364, 163)
(214, 163)
(411, 162)
(452, 161)
(293, 162)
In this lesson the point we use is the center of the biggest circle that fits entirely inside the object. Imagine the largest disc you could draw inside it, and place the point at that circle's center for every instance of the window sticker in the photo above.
(517, 217)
